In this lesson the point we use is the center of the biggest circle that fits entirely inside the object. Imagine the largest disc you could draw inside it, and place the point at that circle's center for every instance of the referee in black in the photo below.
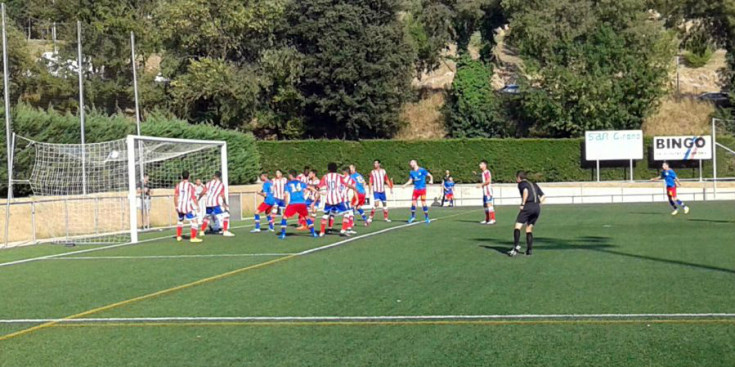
(531, 199)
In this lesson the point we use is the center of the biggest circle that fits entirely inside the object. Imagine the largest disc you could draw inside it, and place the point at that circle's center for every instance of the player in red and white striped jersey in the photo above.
(279, 190)
(335, 184)
(216, 204)
(185, 201)
(487, 193)
(378, 180)
(349, 182)
(313, 198)
(304, 177)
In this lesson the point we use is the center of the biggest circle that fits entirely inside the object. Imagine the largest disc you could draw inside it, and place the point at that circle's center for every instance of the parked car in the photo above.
(719, 99)
(510, 89)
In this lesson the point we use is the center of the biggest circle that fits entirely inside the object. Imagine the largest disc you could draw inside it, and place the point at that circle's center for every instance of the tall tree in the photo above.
(595, 64)
(357, 65)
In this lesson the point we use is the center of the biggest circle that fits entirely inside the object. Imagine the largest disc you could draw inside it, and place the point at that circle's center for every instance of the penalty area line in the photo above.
(211, 279)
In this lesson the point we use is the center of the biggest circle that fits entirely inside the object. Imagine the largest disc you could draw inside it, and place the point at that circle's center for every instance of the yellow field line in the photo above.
(399, 323)
(169, 290)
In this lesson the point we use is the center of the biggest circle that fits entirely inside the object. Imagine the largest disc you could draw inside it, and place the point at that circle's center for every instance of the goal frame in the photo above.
(131, 142)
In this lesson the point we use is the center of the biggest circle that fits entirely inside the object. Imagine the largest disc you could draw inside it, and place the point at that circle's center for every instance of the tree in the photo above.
(473, 109)
(357, 66)
(595, 64)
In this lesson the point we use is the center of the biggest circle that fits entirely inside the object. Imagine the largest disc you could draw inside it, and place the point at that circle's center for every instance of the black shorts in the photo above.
(529, 215)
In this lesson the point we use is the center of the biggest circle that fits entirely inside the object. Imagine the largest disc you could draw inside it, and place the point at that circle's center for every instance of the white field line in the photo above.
(23, 261)
(286, 319)
(168, 256)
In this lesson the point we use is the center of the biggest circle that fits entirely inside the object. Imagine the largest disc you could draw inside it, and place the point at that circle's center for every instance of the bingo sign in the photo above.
(682, 148)
(613, 145)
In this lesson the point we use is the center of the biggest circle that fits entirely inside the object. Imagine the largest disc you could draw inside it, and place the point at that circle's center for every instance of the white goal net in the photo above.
(107, 192)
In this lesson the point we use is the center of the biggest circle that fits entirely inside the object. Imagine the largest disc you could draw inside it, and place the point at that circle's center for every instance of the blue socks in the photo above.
(283, 226)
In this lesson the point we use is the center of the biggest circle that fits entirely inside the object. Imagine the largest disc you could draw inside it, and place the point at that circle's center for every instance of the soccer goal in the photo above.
(106, 193)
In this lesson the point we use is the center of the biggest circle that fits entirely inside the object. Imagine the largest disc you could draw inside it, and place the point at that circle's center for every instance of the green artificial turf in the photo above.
(589, 259)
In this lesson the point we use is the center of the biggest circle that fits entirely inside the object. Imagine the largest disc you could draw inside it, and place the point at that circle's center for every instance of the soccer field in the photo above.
(608, 285)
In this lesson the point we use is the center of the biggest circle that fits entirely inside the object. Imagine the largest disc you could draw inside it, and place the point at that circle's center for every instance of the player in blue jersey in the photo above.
(417, 177)
(672, 182)
(267, 205)
(295, 199)
(448, 186)
(358, 201)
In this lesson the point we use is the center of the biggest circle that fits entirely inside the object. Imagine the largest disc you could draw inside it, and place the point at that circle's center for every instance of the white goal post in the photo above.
(95, 193)
(139, 156)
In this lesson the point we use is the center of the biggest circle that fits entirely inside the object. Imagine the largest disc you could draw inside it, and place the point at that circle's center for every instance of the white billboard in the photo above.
(682, 148)
(613, 145)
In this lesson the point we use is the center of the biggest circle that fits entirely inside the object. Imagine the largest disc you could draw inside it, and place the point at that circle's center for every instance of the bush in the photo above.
(472, 108)
(695, 60)
(548, 160)
(52, 127)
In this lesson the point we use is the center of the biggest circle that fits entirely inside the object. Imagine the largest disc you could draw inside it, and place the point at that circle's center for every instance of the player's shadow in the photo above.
(546, 243)
(590, 243)
(710, 221)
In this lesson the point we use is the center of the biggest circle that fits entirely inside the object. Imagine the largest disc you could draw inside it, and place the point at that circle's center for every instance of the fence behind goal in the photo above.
(95, 193)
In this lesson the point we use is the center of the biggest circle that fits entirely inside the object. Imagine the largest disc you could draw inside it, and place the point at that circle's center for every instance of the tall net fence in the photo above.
(81, 194)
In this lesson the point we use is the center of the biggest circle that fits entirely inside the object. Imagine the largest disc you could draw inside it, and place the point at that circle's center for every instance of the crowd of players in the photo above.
(300, 194)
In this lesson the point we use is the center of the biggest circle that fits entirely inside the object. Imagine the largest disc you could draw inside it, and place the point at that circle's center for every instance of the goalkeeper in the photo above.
(217, 207)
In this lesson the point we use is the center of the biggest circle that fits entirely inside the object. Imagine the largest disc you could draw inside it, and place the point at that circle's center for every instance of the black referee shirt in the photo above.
(534, 192)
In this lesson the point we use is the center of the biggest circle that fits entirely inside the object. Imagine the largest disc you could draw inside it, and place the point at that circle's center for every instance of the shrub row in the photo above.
(52, 127)
(548, 160)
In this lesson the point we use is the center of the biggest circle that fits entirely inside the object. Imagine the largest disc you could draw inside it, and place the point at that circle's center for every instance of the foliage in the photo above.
(53, 127)
(473, 109)
(547, 159)
(213, 90)
(695, 60)
(357, 66)
(597, 65)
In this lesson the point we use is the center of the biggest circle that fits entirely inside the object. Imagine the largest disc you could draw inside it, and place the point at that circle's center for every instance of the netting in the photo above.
(81, 194)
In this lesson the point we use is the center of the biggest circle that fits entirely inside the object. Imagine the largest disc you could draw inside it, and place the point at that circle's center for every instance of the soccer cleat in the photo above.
(282, 236)
(686, 210)
(195, 240)
(228, 234)
(178, 239)
(491, 222)
(411, 220)
(387, 220)
(675, 212)
(256, 230)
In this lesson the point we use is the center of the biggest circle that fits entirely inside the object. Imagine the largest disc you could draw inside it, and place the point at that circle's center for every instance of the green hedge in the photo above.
(558, 160)
(52, 127)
